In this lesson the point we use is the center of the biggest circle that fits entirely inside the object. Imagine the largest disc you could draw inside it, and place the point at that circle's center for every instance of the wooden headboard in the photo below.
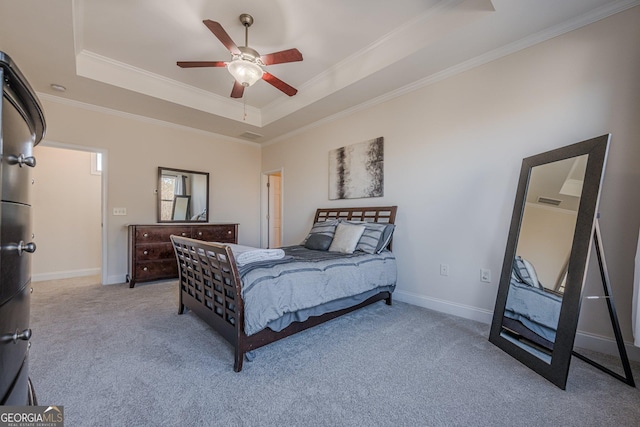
(383, 214)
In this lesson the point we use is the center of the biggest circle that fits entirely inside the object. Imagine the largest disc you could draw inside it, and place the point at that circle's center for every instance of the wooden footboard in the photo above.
(210, 286)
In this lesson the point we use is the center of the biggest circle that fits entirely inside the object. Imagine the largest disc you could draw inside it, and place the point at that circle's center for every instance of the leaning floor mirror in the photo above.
(545, 264)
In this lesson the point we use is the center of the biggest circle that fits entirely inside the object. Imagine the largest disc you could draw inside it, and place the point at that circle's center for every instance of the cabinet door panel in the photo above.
(17, 155)
(15, 319)
(160, 234)
(156, 251)
(15, 264)
(152, 270)
(218, 233)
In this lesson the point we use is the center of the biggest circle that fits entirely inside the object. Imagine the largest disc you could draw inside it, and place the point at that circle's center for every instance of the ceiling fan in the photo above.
(246, 63)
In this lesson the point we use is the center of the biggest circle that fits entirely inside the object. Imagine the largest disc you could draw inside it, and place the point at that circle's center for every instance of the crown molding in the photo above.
(139, 118)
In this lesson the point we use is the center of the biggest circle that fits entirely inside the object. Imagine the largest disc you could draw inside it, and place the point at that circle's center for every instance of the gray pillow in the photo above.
(376, 236)
(385, 239)
(318, 242)
(327, 228)
(525, 272)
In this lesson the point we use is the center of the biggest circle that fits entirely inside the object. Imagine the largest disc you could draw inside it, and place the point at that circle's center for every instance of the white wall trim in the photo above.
(65, 274)
(605, 345)
(448, 307)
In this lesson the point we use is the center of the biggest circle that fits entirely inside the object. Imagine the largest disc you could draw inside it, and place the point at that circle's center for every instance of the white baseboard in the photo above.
(443, 306)
(585, 340)
(116, 279)
(65, 274)
(605, 345)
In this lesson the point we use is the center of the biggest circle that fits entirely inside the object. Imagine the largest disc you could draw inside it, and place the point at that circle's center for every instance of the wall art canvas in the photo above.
(357, 170)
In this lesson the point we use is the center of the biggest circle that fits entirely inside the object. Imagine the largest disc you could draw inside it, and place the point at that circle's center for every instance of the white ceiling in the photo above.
(121, 54)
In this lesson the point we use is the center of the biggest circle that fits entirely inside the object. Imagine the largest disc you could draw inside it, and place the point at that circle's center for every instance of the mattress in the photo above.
(308, 283)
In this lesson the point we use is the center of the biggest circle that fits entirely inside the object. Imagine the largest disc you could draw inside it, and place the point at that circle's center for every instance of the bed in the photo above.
(531, 311)
(256, 303)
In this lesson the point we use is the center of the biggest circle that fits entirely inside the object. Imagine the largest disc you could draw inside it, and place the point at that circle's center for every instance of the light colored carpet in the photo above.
(114, 356)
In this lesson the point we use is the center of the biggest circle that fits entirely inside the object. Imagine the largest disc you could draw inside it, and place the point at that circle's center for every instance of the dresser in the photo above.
(151, 255)
(21, 128)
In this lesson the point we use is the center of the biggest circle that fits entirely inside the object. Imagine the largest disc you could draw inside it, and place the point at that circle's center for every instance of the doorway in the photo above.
(69, 202)
(271, 223)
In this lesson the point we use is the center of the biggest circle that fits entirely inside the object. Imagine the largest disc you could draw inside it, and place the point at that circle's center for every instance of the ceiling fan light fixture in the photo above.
(245, 72)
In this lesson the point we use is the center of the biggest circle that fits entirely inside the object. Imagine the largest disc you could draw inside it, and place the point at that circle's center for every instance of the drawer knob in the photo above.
(183, 234)
(26, 247)
(199, 233)
(145, 268)
(21, 160)
(17, 335)
(146, 252)
(145, 235)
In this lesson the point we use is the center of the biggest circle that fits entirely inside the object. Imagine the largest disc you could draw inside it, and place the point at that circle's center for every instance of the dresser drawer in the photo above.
(155, 270)
(215, 233)
(15, 263)
(160, 234)
(18, 394)
(17, 155)
(154, 251)
(15, 320)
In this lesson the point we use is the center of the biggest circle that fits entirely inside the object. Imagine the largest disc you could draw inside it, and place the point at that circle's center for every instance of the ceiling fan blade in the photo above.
(222, 35)
(290, 55)
(238, 90)
(279, 84)
(193, 64)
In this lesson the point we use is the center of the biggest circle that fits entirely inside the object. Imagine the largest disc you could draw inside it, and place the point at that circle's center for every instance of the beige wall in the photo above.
(545, 239)
(134, 150)
(453, 152)
(67, 214)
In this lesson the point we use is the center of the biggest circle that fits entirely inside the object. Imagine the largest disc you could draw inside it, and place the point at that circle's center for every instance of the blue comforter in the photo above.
(308, 283)
(535, 308)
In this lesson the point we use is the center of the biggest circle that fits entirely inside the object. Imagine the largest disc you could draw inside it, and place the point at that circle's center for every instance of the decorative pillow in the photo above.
(375, 238)
(385, 238)
(327, 228)
(346, 238)
(318, 242)
(525, 272)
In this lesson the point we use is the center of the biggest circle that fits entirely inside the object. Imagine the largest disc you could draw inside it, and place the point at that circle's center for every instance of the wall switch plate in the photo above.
(119, 211)
(485, 275)
(444, 269)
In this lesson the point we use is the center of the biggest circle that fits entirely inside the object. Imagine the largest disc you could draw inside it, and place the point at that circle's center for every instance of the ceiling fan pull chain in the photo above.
(244, 106)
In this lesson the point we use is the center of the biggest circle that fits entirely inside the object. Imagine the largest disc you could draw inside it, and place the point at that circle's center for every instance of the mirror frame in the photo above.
(558, 370)
(159, 200)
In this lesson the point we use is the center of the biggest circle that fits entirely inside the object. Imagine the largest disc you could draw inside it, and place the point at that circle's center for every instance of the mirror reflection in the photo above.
(543, 248)
(183, 195)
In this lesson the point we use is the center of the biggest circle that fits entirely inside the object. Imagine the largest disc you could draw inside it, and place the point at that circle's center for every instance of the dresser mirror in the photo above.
(538, 302)
(183, 195)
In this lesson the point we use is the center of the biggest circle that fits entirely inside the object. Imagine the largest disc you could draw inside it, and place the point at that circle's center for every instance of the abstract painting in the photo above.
(357, 171)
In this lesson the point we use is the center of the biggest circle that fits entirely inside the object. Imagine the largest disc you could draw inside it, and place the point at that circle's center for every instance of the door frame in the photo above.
(264, 205)
(103, 209)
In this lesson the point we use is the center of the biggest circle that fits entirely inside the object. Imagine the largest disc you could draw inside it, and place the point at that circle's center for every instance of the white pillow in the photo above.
(346, 238)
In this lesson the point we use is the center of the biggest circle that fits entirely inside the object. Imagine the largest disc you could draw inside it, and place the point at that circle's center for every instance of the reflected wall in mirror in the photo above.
(183, 195)
(538, 302)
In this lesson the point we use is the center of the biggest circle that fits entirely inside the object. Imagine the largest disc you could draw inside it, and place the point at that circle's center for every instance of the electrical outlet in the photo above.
(119, 211)
(444, 269)
(485, 275)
